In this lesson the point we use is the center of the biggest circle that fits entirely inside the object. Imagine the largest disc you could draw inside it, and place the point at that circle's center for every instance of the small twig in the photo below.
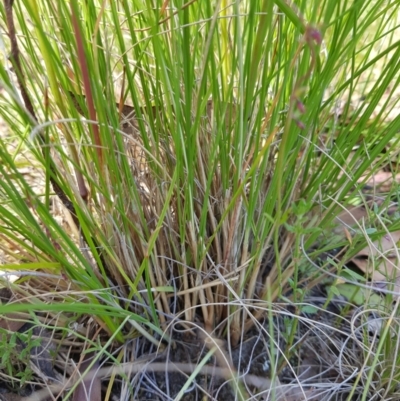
(129, 368)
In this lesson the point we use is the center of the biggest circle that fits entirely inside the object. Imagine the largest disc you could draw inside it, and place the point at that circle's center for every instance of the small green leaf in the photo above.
(301, 207)
(334, 291)
(310, 309)
(358, 295)
(291, 229)
(349, 274)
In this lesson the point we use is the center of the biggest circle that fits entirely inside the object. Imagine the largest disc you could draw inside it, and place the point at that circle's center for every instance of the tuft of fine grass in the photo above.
(201, 161)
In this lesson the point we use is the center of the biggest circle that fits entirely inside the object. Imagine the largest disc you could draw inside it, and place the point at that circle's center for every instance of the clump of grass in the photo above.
(199, 158)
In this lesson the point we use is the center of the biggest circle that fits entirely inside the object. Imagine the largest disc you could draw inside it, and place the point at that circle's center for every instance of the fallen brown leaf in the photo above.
(380, 260)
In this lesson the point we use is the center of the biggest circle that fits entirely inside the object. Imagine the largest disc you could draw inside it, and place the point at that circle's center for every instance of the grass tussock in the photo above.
(186, 239)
